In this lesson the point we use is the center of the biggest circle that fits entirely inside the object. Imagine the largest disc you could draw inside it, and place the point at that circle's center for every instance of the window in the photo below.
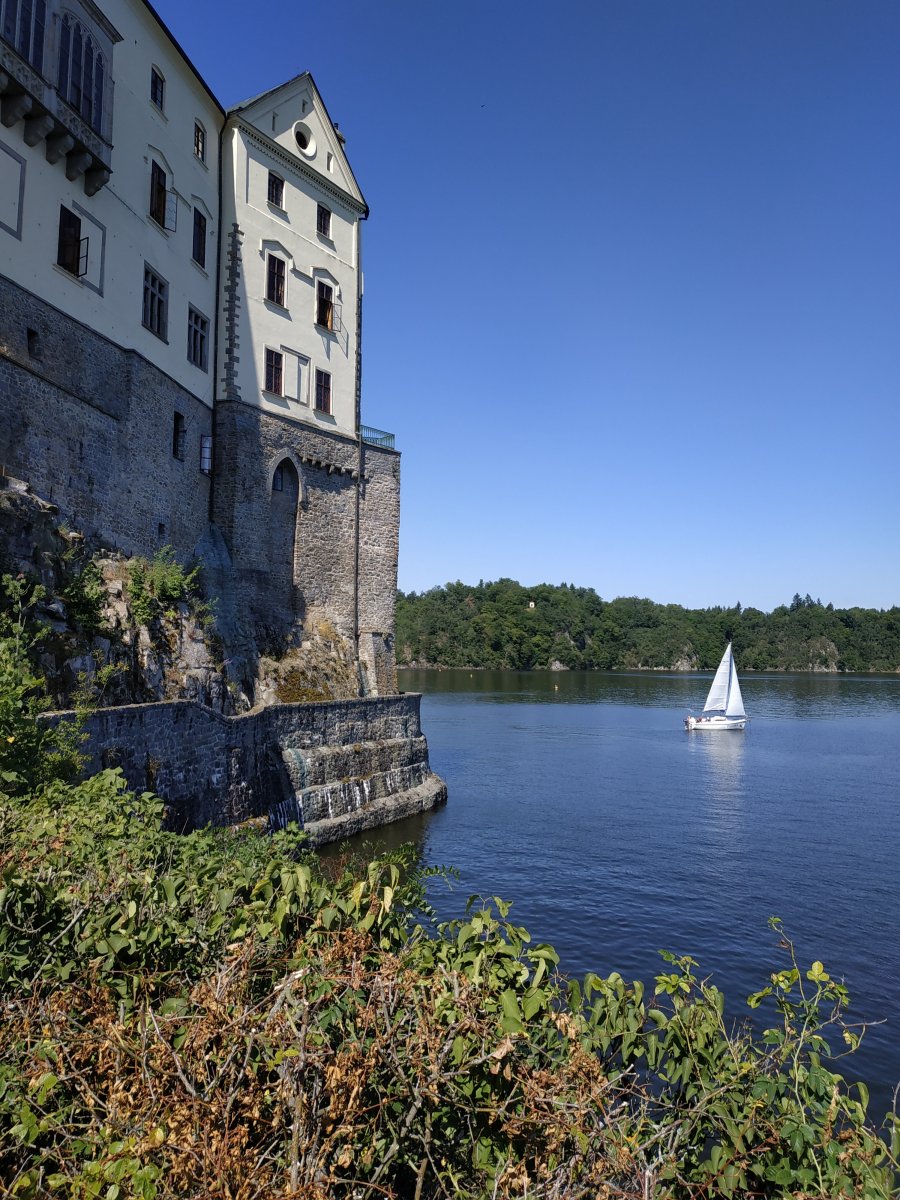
(179, 436)
(206, 453)
(323, 220)
(199, 251)
(199, 141)
(23, 27)
(81, 79)
(198, 339)
(278, 479)
(158, 193)
(324, 305)
(157, 89)
(156, 302)
(72, 248)
(276, 190)
(274, 372)
(275, 277)
(323, 391)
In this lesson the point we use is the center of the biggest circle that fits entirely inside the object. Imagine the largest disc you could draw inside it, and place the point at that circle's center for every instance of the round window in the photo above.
(306, 143)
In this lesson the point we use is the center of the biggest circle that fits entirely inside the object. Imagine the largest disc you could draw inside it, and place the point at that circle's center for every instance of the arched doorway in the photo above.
(284, 499)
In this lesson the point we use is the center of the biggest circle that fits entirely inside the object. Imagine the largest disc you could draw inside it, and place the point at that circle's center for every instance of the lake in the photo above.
(580, 797)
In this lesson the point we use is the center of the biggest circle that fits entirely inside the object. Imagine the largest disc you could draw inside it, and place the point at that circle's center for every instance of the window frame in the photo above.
(71, 247)
(323, 398)
(325, 305)
(274, 372)
(200, 142)
(199, 237)
(275, 190)
(324, 218)
(155, 313)
(198, 339)
(276, 279)
(158, 89)
(25, 30)
(81, 70)
(163, 199)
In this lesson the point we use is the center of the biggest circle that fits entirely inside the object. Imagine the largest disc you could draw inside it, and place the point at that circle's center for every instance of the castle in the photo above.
(180, 314)
(180, 366)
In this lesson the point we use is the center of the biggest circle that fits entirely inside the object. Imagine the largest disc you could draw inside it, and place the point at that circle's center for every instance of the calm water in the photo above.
(580, 797)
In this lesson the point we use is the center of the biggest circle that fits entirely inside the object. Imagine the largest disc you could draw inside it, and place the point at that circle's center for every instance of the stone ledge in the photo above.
(427, 795)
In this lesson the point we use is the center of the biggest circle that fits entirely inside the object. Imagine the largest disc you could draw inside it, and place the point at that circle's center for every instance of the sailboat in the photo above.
(724, 707)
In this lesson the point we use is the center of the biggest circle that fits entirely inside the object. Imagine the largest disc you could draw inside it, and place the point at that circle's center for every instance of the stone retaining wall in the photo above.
(368, 758)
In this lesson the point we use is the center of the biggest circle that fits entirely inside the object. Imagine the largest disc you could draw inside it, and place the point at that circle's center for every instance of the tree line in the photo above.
(504, 625)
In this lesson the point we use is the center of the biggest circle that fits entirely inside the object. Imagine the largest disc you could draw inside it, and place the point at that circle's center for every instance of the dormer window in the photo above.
(82, 72)
(158, 89)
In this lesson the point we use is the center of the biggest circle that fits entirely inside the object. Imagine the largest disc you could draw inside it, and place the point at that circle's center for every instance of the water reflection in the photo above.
(723, 755)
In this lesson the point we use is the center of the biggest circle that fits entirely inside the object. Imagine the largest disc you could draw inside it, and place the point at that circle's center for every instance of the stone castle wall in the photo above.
(330, 467)
(337, 767)
(90, 427)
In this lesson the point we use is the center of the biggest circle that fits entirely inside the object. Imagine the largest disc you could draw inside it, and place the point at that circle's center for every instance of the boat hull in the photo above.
(714, 724)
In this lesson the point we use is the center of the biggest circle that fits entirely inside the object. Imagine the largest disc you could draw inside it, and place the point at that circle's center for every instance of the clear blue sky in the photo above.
(632, 280)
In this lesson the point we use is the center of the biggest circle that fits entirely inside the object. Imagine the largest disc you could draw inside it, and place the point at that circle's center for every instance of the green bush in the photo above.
(156, 586)
(85, 596)
(32, 753)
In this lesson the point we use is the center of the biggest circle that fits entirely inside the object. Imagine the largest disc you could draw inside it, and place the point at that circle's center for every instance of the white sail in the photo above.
(717, 700)
(735, 704)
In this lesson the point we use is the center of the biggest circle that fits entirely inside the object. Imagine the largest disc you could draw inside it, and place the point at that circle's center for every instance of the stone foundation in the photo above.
(335, 768)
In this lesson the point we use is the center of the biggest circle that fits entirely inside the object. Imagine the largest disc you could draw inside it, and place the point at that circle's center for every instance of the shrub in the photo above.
(155, 587)
(85, 596)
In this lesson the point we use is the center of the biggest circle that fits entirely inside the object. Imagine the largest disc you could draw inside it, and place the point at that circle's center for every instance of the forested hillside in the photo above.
(505, 625)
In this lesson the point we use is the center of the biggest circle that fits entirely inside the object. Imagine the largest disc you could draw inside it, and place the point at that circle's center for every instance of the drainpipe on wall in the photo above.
(216, 319)
(359, 440)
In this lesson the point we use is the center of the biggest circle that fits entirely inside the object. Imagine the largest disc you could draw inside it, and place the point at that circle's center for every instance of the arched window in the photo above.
(82, 71)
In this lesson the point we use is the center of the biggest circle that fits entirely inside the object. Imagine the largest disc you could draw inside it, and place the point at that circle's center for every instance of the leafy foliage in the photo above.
(158, 585)
(216, 1014)
(84, 594)
(32, 753)
(505, 625)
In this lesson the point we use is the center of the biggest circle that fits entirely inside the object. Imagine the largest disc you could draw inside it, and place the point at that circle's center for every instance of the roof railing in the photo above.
(376, 437)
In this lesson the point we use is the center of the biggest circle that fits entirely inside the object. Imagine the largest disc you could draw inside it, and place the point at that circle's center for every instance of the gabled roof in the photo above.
(237, 108)
(276, 99)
